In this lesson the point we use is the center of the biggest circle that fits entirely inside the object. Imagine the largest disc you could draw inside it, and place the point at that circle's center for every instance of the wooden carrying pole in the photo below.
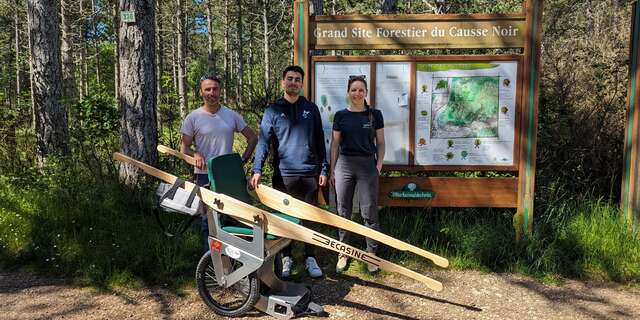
(630, 195)
(278, 226)
(286, 204)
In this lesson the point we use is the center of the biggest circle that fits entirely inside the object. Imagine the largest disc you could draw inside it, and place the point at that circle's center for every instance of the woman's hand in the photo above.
(379, 167)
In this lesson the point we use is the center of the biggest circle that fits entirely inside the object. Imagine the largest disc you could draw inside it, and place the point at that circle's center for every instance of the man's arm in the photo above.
(252, 141)
(185, 147)
(262, 151)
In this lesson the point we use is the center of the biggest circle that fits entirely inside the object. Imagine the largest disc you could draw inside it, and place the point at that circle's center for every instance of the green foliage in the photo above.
(97, 116)
(573, 237)
(583, 92)
(107, 236)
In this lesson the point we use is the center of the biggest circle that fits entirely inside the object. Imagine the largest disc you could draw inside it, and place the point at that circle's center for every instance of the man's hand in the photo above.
(199, 160)
(255, 180)
(322, 181)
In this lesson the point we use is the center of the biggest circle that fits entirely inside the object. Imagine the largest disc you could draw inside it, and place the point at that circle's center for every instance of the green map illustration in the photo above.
(467, 107)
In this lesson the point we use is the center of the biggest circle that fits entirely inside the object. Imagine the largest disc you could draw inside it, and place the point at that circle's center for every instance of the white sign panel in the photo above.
(331, 79)
(465, 113)
(392, 98)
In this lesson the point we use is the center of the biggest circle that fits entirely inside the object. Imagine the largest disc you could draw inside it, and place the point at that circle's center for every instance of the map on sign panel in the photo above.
(464, 107)
(465, 113)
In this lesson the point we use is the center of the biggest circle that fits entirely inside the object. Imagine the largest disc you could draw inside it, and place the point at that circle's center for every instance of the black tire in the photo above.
(277, 265)
(229, 302)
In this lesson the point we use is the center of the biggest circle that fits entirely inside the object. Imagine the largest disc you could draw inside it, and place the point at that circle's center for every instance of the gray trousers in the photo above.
(361, 171)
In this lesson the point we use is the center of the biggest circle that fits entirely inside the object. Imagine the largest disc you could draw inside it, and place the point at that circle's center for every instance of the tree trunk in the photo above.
(84, 87)
(137, 100)
(174, 67)
(211, 58)
(96, 41)
(387, 6)
(11, 134)
(116, 52)
(68, 66)
(16, 21)
(239, 55)
(265, 27)
(182, 74)
(46, 79)
(159, 61)
(226, 50)
(318, 10)
(318, 7)
(250, 62)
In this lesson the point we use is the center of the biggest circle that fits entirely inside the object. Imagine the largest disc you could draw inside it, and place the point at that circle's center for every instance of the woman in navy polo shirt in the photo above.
(357, 152)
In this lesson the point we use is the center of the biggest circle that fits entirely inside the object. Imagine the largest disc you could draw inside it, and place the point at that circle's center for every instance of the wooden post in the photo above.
(301, 40)
(630, 183)
(523, 220)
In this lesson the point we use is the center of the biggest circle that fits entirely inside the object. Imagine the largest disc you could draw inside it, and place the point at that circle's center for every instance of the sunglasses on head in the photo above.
(357, 77)
(209, 77)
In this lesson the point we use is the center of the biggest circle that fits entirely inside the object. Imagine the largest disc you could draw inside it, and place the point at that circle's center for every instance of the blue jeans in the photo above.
(202, 180)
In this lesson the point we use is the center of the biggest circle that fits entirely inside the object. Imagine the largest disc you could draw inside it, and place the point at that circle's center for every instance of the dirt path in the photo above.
(467, 295)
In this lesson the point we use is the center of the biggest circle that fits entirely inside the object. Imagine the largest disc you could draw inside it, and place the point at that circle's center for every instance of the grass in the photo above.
(578, 237)
(100, 233)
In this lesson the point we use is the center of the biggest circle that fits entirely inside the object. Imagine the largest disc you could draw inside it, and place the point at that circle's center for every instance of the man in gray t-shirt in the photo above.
(211, 128)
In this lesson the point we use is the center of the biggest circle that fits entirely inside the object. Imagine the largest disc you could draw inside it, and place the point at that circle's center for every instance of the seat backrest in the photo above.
(226, 175)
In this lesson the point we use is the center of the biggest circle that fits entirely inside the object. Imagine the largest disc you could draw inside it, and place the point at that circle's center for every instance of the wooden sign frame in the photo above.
(412, 167)
(515, 192)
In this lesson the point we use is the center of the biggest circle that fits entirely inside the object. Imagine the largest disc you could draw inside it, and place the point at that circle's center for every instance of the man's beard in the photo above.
(212, 100)
(293, 91)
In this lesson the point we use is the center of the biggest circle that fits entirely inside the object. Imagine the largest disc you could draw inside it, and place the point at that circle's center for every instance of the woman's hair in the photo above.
(353, 79)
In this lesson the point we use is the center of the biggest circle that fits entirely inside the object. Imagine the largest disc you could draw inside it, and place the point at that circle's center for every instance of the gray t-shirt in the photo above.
(212, 133)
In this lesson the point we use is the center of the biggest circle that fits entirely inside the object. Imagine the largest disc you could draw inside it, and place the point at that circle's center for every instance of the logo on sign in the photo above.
(412, 191)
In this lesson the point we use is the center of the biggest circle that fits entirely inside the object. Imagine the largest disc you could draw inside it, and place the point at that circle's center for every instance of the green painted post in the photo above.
(523, 220)
(630, 176)
(300, 39)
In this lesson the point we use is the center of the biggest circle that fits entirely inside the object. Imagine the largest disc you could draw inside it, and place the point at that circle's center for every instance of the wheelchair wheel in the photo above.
(229, 302)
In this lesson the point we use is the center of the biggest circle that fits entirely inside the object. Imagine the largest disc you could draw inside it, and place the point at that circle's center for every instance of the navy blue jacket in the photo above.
(296, 133)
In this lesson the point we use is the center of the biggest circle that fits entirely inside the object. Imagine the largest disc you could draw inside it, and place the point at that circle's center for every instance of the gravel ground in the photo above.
(467, 295)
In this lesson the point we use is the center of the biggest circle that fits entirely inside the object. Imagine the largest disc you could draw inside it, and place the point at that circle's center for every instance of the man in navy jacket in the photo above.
(292, 124)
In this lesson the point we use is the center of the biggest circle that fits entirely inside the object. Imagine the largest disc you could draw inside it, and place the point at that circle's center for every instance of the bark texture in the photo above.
(68, 66)
(50, 117)
(182, 69)
(137, 100)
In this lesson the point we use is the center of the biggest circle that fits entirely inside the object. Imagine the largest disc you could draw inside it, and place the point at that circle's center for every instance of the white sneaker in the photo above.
(287, 264)
(342, 263)
(312, 267)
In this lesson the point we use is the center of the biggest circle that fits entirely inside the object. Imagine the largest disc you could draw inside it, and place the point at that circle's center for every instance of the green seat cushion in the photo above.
(226, 175)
